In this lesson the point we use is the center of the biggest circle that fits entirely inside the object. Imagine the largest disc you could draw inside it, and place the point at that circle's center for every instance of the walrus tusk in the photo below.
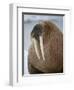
(36, 46)
(41, 47)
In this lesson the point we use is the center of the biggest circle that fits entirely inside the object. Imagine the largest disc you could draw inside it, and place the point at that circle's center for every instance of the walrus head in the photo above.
(37, 35)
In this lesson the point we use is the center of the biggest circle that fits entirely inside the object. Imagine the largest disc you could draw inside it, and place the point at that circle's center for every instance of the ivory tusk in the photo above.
(41, 47)
(35, 43)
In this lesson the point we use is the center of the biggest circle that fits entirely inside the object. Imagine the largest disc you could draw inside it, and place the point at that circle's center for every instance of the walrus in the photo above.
(45, 54)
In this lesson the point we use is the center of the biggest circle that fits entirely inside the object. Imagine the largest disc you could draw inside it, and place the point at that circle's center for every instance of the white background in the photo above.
(4, 45)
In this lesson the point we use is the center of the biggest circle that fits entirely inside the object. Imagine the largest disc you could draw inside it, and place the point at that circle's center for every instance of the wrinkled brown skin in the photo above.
(53, 49)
